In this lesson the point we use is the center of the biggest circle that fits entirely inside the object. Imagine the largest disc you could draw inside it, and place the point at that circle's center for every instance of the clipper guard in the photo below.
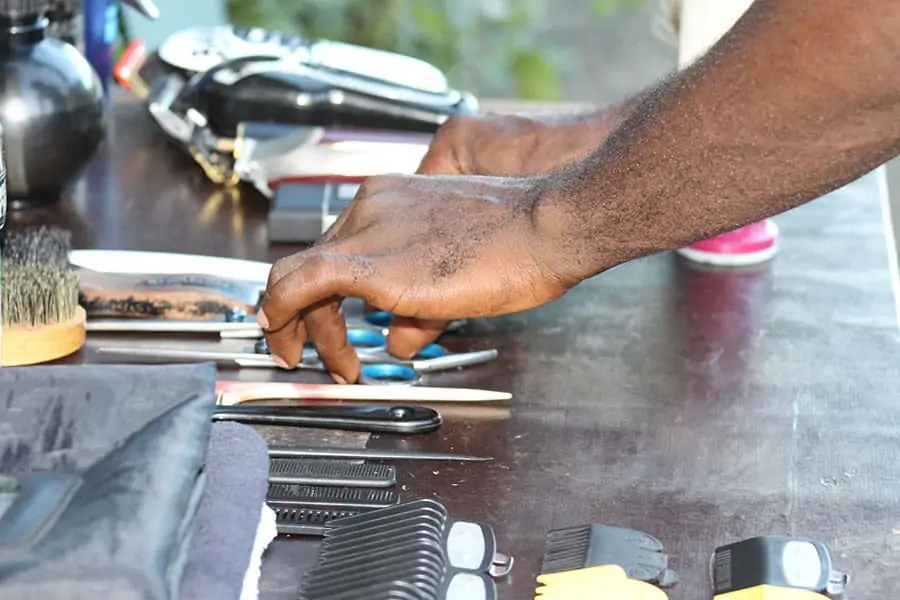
(641, 555)
(412, 551)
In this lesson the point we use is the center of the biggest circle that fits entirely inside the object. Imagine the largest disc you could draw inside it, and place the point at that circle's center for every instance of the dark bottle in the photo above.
(52, 107)
(67, 22)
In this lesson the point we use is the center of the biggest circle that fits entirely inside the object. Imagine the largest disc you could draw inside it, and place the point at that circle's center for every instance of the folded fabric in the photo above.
(237, 471)
(65, 418)
(125, 530)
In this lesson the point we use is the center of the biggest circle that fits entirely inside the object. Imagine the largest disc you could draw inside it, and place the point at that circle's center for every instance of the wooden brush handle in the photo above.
(164, 296)
(43, 343)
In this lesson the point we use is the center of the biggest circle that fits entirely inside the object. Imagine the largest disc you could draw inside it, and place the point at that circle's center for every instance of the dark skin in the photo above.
(797, 100)
(507, 146)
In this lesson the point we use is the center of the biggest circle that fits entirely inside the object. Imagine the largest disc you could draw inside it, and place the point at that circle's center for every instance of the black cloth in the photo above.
(138, 436)
(237, 469)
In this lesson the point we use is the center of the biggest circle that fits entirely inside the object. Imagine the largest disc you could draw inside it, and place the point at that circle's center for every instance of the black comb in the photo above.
(336, 473)
(343, 498)
(642, 556)
(307, 521)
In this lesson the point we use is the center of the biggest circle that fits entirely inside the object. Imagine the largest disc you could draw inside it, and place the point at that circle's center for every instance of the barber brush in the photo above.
(161, 295)
(41, 318)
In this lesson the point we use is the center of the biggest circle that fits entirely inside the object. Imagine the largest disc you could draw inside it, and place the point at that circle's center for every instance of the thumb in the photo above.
(407, 336)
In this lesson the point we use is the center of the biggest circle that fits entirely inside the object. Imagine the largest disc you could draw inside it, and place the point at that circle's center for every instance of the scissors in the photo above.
(378, 366)
(235, 324)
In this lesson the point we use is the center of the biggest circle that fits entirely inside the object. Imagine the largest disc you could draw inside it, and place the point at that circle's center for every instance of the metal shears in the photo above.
(378, 366)
(235, 324)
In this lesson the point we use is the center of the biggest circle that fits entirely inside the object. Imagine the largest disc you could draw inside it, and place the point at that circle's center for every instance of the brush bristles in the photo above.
(37, 245)
(37, 294)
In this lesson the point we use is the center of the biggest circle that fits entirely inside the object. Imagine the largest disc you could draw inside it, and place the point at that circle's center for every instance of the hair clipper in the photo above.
(203, 86)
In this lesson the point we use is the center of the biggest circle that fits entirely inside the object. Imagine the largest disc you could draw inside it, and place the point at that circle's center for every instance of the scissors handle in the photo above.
(388, 374)
(369, 419)
(381, 320)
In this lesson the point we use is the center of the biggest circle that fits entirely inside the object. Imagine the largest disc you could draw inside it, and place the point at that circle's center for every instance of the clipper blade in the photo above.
(337, 473)
(343, 498)
(291, 520)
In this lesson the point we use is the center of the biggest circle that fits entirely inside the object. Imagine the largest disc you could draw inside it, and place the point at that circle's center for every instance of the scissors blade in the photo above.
(223, 328)
(243, 359)
(453, 361)
(195, 355)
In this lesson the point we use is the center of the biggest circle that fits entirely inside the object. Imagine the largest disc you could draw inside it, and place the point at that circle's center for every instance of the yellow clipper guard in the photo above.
(608, 582)
(770, 592)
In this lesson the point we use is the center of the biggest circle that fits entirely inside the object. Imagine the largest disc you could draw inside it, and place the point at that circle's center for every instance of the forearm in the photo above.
(794, 102)
(573, 137)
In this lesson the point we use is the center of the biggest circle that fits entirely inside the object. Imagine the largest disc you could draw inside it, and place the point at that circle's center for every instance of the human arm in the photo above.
(792, 103)
(519, 145)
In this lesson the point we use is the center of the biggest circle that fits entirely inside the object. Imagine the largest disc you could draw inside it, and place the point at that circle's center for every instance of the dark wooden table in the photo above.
(700, 407)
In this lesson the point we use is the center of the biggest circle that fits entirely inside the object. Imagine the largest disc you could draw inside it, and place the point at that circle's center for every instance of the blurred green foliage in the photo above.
(486, 46)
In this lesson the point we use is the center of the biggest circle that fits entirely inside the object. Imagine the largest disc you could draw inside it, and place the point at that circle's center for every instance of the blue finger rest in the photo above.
(432, 351)
(365, 338)
(389, 372)
(378, 318)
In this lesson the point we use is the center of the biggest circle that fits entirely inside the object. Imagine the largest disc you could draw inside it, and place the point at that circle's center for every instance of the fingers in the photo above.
(328, 331)
(308, 279)
(286, 343)
(407, 336)
(305, 302)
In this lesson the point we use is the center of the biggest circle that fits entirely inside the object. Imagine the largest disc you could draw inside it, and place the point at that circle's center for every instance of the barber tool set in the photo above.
(58, 301)
(56, 296)
(160, 464)
(303, 121)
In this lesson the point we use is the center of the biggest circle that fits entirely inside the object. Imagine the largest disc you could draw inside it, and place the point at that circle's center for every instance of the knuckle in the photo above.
(280, 269)
(458, 124)
(368, 185)
(373, 184)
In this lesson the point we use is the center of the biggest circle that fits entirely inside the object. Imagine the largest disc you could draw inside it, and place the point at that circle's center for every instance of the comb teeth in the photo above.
(35, 294)
(566, 549)
(38, 245)
(306, 521)
(331, 473)
(332, 497)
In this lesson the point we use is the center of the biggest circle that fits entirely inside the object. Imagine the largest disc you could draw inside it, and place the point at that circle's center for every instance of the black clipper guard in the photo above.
(776, 561)
(466, 545)
(641, 555)
(413, 550)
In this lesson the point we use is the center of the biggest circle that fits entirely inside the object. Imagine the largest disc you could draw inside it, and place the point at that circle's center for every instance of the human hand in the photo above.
(515, 145)
(435, 248)
(501, 146)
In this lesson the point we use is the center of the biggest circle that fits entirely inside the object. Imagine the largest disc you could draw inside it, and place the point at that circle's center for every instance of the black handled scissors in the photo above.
(366, 418)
